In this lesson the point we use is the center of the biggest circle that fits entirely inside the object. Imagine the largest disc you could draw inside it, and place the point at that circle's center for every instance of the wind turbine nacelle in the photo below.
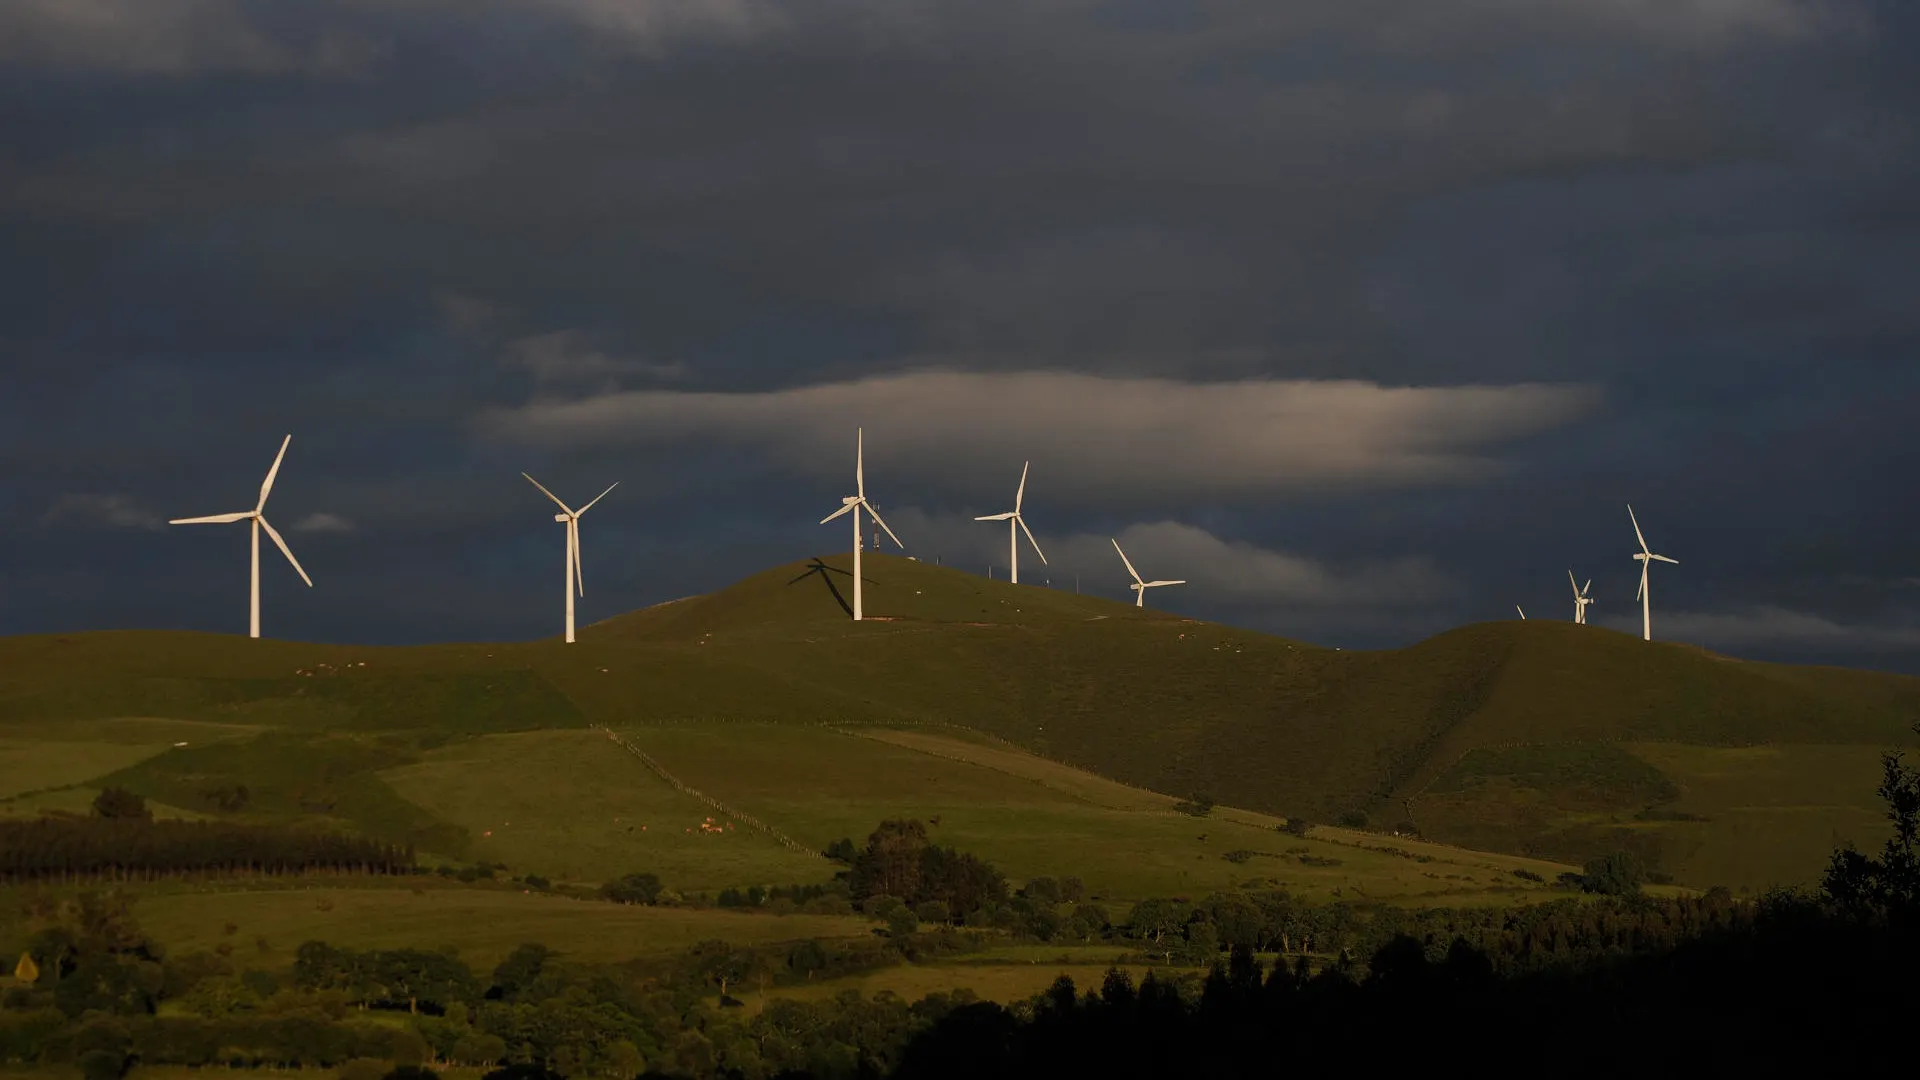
(559, 517)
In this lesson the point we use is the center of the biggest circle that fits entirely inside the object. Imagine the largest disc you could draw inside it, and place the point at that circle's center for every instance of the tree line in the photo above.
(70, 849)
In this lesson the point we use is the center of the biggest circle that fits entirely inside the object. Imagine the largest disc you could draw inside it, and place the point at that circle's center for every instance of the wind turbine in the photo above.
(1015, 521)
(1140, 587)
(1645, 557)
(853, 504)
(1523, 614)
(571, 518)
(258, 517)
(1580, 598)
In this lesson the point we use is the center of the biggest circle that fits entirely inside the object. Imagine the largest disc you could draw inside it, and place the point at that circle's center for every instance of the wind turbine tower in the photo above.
(853, 504)
(1646, 558)
(570, 517)
(1582, 596)
(1015, 526)
(258, 517)
(1139, 586)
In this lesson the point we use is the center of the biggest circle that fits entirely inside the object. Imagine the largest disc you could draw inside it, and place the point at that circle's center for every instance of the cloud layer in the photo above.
(1114, 439)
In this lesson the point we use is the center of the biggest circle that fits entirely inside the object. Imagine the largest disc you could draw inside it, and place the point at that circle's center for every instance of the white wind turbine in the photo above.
(258, 517)
(571, 518)
(1139, 586)
(1015, 521)
(1581, 598)
(853, 504)
(1645, 557)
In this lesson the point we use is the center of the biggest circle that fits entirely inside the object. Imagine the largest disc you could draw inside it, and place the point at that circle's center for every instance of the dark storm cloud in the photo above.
(1609, 250)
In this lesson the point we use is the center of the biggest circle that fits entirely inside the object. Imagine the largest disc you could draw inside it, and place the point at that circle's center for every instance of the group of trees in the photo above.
(899, 861)
(100, 983)
(128, 846)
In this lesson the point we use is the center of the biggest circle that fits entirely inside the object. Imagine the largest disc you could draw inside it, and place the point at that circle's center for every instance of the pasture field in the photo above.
(1748, 817)
(1034, 818)
(1772, 814)
(482, 924)
(1154, 700)
(574, 806)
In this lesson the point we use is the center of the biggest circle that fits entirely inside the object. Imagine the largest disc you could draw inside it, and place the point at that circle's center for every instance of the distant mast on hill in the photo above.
(571, 519)
(258, 517)
(1015, 525)
(853, 504)
(1645, 557)
(1139, 586)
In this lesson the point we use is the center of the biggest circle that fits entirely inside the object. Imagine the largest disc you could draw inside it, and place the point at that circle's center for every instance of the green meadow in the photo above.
(1049, 732)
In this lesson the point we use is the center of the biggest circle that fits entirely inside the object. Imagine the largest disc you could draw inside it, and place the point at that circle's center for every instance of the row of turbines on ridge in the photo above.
(854, 504)
(1583, 594)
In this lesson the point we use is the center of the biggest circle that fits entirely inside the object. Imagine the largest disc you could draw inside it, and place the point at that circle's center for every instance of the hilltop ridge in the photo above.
(1142, 696)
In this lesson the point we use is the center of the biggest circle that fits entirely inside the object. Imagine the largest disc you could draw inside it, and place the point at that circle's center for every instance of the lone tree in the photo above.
(118, 802)
(1890, 883)
(1618, 874)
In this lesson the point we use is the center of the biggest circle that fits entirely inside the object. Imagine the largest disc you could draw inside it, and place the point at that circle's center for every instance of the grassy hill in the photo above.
(1533, 737)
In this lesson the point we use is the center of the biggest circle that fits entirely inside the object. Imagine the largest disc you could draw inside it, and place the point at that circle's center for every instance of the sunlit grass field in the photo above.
(574, 806)
(1036, 818)
(482, 924)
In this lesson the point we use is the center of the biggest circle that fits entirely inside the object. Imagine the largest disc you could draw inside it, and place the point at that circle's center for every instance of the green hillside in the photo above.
(1527, 737)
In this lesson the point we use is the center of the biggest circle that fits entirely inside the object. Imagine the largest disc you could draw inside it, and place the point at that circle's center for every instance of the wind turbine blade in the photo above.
(844, 508)
(548, 494)
(267, 484)
(573, 544)
(1129, 562)
(1178, 581)
(213, 519)
(285, 550)
(877, 521)
(1030, 539)
(1021, 492)
(1572, 582)
(1518, 608)
(860, 461)
(1587, 588)
(1663, 558)
(596, 499)
(997, 517)
(1636, 529)
(1637, 593)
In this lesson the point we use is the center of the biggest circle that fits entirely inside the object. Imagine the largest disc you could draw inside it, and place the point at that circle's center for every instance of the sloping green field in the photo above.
(372, 738)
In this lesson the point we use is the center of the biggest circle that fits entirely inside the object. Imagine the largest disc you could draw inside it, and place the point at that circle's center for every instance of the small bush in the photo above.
(1296, 825)
(842, 850)
(1525, 874)
(901, 921)
(1618, 874)
(1354, 819)
(1042, 890)
(933, 912)
(362, 1069)
(1238, 855)
(633, 889)
(535, 881)
(1197, 804)
(118, 802)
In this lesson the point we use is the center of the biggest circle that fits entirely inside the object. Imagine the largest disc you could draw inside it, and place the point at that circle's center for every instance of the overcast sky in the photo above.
(1368, 317)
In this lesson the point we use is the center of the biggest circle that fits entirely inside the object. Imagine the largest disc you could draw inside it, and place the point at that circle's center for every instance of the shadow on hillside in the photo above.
(822, 569)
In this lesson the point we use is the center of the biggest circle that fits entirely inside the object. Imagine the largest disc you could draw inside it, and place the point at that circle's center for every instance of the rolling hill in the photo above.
(1540, 738)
